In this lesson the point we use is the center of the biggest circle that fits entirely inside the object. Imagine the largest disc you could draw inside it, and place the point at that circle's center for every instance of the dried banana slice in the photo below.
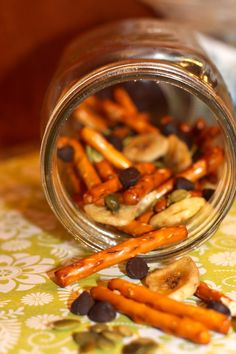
(178, 156)
(124, 215)
(178, 281)
(178, 213)
(104, 216)
(146, 147)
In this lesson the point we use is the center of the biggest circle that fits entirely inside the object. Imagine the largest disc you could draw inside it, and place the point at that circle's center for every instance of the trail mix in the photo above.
(126, 172)
(158, 301)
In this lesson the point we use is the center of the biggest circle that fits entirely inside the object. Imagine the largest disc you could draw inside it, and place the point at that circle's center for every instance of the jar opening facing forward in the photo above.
(183, 111)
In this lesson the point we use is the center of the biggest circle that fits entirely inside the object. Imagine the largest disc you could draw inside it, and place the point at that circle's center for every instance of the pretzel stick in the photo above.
(145, 168)
(211, 319)
(137, 122)
(136, 228)
(140, 313)
(82, 163)
(198, 170)
(105, 170)
(119, 253)
(102, 190)
(98, 142)
(145, 217)
(145, 185)
(86, 116)
(205, 293)
(123, 98)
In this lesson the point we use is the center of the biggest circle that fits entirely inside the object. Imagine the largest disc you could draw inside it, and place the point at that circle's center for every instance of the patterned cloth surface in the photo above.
(32, 243)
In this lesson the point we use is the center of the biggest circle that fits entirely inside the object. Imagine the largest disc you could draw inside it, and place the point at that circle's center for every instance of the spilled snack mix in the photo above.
(121, 166)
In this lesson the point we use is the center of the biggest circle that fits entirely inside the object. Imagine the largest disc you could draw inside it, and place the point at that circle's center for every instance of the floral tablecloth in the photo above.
(33, 243)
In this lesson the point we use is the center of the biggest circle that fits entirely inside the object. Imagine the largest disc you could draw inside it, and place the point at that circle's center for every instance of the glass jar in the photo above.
(152, 59)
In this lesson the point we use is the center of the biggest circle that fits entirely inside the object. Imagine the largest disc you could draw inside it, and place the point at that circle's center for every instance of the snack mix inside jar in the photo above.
(139, 134)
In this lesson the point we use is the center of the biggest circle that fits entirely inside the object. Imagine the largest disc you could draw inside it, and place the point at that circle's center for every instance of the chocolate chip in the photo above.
(219, 307)
(169, 128)
(82, 304)
(129, 177)
(183, 183)
(65, 153)
(136, 268)
(102, 311)
(115, 141)
(207, 193)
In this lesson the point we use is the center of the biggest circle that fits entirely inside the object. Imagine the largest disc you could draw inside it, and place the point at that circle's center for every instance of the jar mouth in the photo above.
(76, 222)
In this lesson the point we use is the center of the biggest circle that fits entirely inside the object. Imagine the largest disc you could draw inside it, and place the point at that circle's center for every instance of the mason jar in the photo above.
(165, 71)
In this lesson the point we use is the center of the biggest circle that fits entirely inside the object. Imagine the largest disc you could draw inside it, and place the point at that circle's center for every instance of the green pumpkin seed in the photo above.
(93, 155)
(140, 346)
(159, 164)
(112, 202)
(126, 331)
(112, 335)
(98, 328)
(82, 338)
(103, 342)
(65, 324)
(178, 195)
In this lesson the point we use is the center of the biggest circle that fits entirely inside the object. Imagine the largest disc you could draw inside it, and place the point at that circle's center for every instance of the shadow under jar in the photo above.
(166, 74)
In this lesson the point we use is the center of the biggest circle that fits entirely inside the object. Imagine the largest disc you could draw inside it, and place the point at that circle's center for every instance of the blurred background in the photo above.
(34, 33)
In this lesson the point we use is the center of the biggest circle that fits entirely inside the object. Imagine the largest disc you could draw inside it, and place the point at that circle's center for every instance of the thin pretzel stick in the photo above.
(145, 168)
(125, 250)
(136, 228)
(137, 122)
(145, 217)
(97, 141)
(211, 319)
(205, 293)
(105, 170)
(82, 163)
(145, 185)
(86, 116)
(140, 313)
(123, 98)
(103, 189)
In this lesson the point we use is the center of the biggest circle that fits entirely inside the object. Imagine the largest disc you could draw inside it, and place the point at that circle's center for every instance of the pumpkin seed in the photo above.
(93, 155)
(112, 335)
(98, 328)
(178, 195)
(85, 340)
(103, 342)
(126, 331)
(140, 346)
(112, 202)
(65, 324)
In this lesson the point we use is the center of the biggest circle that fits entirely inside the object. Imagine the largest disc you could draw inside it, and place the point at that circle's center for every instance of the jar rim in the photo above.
(109, 75)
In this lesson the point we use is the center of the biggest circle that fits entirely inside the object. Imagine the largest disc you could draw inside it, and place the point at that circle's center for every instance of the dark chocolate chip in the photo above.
(136, 268)
(219, 307)
(129, 177)
(184, 183)
(169, 128)
(115, 141)
(65, 153)
(102, 311)
(207, 193)
(82, 304)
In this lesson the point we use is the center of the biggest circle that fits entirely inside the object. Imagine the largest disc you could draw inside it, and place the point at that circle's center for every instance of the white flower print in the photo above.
(199, 265)
(4, 303)
(12, 224)
(69, 293)
(41, 321)
(37, 299)
(9, 334)
(22, 271)
(15, 245)
(226, 259)
(228, 225)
